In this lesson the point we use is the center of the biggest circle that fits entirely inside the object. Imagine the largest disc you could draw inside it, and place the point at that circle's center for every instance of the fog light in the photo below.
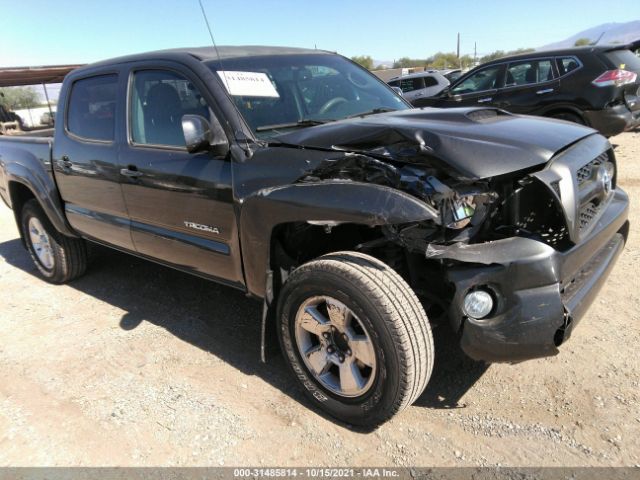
(478, 304)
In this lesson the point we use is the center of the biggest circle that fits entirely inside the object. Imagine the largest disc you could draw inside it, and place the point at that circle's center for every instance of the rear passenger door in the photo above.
(529, 86)
(85, 158)
(180, 204)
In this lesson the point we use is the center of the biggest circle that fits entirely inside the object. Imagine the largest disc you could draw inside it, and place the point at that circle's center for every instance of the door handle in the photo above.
(546, 90)
(131, 172)
(485, 100)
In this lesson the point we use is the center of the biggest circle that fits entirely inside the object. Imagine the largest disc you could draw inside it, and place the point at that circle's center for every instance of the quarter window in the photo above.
(92, 108)
(567, 64)
(430, 82)
(159, 100)
(529, 72)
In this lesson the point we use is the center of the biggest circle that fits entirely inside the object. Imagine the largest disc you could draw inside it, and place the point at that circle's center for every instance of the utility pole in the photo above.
(475, 53)
(458, 49)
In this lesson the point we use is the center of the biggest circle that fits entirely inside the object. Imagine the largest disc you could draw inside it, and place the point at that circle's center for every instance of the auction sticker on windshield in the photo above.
(248, 84)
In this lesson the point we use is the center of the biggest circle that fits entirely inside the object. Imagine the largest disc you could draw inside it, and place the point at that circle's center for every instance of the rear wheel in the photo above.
(355, 336)
(58, 258)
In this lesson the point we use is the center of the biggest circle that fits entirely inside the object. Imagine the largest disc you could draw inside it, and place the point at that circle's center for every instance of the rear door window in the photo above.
(92, 108)
(528, 72)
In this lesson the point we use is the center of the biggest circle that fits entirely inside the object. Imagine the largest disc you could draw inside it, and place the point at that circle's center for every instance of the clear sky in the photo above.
(39, 32)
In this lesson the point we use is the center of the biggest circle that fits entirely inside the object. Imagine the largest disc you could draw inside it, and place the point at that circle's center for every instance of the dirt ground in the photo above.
(136, 364)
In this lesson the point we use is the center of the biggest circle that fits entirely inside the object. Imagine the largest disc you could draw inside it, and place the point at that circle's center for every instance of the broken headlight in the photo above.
(459, 205)
(462, 208)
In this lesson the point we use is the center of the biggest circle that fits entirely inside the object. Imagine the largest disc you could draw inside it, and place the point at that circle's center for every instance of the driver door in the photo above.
(478, 89)
(180, 204)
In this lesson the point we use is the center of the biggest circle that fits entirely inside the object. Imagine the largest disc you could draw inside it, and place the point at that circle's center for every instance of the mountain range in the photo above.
(606, 33)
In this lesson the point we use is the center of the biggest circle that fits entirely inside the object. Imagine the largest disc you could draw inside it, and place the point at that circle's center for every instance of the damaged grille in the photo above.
(588, 213)
(583, 179)
(532, 211)
(562, 203)
(592, 194)
(585, 172)
(541, 219)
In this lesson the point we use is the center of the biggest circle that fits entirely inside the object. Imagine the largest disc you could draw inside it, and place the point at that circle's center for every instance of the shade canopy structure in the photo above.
(18, 76)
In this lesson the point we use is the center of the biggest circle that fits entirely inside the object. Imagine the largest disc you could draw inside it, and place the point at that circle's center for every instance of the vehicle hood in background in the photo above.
(475, 142)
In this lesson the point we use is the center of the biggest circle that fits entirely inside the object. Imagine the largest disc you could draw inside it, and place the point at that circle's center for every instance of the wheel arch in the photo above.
(557, 109)
(331, 204)
(330, 207)
(30, 175)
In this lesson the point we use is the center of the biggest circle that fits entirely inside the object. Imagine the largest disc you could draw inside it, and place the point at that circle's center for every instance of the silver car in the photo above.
(419, 85)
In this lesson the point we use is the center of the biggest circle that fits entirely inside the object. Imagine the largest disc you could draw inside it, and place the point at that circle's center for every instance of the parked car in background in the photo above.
(595, 86)
(420, 85)
(451, 74)
(48, 118)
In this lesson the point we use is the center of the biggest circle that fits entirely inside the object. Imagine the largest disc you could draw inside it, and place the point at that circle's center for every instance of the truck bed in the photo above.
(26, 150)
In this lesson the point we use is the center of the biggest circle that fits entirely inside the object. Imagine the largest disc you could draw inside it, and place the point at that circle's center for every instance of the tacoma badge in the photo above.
(204, 228)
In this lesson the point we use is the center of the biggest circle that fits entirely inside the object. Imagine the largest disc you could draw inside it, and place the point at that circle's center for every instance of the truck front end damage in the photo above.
(507, 237)
(531, 256)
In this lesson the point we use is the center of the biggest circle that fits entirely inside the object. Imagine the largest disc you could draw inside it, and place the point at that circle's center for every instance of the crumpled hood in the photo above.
(475, 142)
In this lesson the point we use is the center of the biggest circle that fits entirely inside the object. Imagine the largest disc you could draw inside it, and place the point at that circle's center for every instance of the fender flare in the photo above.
(332, 201)
(28, 170)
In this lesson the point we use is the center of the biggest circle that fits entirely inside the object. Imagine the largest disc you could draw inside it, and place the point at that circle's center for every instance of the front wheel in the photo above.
(355, 336)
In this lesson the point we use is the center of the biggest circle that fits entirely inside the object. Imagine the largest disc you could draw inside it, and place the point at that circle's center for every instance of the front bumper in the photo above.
(541, 293)
(611, 121)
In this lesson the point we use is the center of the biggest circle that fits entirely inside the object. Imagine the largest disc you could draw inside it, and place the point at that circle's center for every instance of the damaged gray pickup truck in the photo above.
(301, 179)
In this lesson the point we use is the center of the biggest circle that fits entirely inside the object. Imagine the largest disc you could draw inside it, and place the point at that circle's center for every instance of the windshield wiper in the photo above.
(300, 123)
(373, 112)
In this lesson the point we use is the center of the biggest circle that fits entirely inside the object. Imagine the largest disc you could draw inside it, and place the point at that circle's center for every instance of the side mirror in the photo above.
(200, 137)
(398, 90)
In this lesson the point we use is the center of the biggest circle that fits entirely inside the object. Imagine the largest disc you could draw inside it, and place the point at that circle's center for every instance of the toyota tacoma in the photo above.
(301, 179)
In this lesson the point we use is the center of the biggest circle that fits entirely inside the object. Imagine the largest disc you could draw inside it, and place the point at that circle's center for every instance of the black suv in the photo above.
(596, 86)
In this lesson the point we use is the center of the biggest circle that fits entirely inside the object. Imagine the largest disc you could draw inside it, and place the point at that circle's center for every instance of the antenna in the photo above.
(206, 20)
(224, 76)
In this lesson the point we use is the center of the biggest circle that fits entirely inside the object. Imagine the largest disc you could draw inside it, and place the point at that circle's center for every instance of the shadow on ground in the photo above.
(223, 321)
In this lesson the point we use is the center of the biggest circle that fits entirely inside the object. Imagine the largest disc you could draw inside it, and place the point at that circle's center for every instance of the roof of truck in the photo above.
(211, 53)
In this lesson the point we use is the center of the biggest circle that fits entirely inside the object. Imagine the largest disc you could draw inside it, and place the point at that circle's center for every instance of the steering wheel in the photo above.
(331, 104)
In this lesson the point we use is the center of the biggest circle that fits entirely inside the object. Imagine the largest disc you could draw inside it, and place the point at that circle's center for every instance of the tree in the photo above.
(13, 98)
(365, 60)
(443, 61)
(582, 42)
(406, 62)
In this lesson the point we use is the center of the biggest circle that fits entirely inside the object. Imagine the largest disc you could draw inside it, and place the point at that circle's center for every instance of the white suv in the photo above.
(420, 85)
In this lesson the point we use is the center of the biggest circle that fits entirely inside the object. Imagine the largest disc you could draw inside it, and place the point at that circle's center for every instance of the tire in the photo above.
(394, 361)
(57, 257)
(568, 116)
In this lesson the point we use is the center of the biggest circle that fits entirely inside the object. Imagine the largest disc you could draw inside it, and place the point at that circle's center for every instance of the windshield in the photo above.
(278, 92)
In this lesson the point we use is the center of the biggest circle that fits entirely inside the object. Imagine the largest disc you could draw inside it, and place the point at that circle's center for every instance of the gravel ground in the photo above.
(135, 364)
